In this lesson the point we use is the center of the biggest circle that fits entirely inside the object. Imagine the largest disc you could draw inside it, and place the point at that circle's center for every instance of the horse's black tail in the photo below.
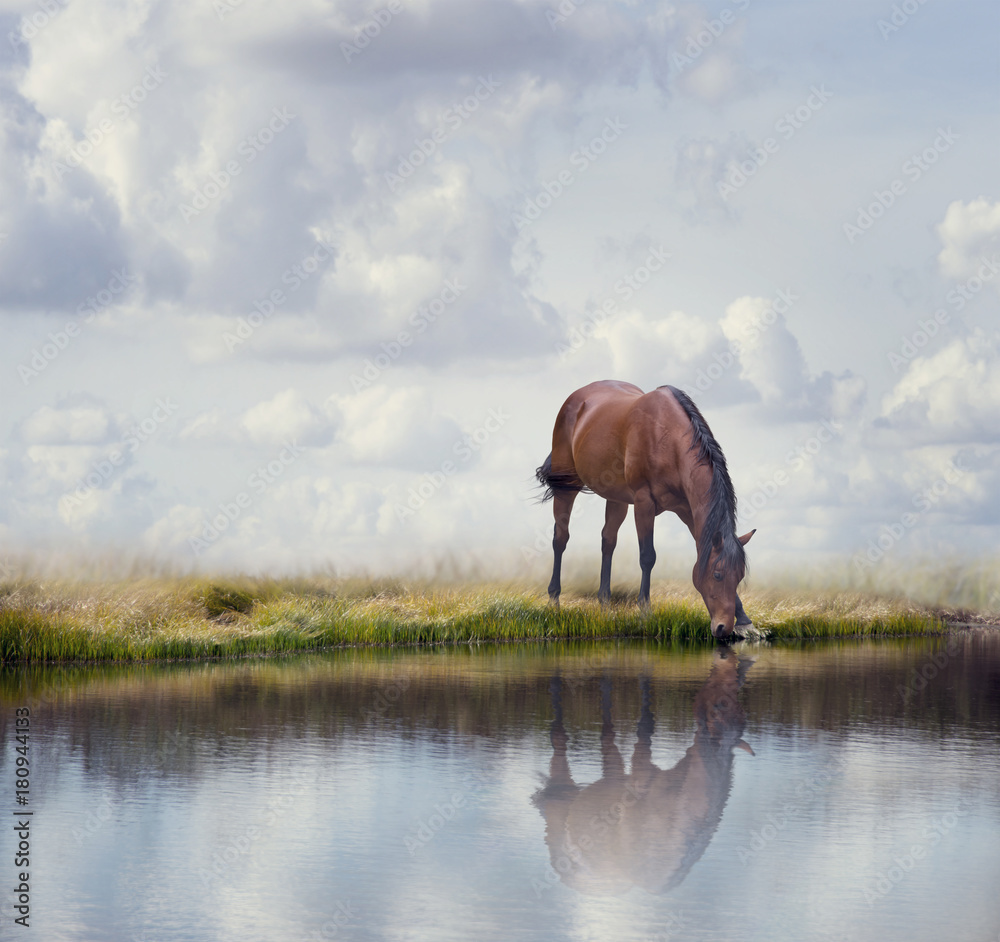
(554, 481)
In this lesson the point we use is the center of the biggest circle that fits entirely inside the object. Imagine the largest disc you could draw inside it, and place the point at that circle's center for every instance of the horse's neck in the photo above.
(696, 484)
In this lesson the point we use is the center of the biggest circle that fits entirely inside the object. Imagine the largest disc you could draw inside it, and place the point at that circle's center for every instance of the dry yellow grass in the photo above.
(170, 616)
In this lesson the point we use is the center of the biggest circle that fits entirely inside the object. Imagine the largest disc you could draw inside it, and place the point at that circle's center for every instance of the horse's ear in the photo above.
(746, 536)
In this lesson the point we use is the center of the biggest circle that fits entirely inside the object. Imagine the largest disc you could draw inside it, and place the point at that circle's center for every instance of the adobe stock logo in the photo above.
(451, 120)
(625, 287)
(420, 320)
(739, 171)
(31, 25)
(45, 353)
(230, 511)
(901, 14)
(294, 276)
(926, 500)
(711, 30)
(371, 29)
(581, 160)
(913, 169)
(249, 148)
(122, 107)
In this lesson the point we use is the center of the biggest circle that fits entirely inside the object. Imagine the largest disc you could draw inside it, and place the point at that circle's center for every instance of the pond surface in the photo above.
(617, 791)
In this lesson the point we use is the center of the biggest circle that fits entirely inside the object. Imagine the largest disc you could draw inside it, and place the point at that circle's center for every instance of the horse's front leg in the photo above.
(645, 514)
(742, 618)
(562, 507)
(614, 516)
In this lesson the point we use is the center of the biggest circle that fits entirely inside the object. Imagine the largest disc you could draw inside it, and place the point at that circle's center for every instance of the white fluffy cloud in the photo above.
(655, 350)
(72, 425)
(286, 417)
(950, 396)
(170, 534)
(397, 427)
(771, 361)
(970, 232)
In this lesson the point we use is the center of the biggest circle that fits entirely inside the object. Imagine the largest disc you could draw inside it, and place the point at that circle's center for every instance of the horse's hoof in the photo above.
(749, 632)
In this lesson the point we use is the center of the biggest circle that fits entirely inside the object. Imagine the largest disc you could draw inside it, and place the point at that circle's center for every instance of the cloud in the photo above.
(951, 396)
(396, 249)
(701, 165)
(397, 427)
(63, 237)
(715, 78)
(300, 521)
(286, 417)
(437, 270)
(207, 426)
(771, 361)
(652, 351)
(58, 468)
(84, 424)
(76, 447)
(95, 491)
(969, 233)
(94, 512)
(374, 306)
(445, 38)
(169, 535)
(698, 55)
(74, 467)
(706, 53)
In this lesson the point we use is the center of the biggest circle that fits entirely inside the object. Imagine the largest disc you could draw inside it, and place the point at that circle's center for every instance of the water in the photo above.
(601, 791)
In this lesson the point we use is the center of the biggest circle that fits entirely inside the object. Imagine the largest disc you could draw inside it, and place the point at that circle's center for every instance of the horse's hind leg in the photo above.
(614, 516)
(562, 507)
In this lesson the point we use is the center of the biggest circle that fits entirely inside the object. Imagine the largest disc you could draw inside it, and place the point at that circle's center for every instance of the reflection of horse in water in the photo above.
(646, 828)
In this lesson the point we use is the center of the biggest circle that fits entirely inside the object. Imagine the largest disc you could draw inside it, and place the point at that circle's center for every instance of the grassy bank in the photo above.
(171, 618)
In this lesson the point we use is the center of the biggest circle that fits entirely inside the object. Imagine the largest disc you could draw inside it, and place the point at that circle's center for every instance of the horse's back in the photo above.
(595, 398)
(592, 408)
(612, 436)
(604, 410)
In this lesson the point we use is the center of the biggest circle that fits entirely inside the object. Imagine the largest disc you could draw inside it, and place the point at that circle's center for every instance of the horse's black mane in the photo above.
(721, 519)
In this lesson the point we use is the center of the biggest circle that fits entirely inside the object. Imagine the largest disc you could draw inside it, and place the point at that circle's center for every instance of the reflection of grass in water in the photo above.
(176, 617)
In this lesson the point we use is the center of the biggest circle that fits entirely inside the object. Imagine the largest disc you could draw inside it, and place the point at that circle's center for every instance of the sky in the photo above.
(300, 285)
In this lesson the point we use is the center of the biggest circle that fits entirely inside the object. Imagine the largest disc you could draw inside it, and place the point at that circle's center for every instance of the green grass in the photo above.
(175, 617)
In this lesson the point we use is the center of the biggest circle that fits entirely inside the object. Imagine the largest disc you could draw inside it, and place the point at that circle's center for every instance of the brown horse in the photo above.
(654, 451)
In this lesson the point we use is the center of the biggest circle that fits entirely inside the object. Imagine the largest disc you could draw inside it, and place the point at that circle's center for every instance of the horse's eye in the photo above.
(718, 576)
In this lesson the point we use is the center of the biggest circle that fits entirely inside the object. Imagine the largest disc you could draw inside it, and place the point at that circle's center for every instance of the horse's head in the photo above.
(717, 573)
(717, 709)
